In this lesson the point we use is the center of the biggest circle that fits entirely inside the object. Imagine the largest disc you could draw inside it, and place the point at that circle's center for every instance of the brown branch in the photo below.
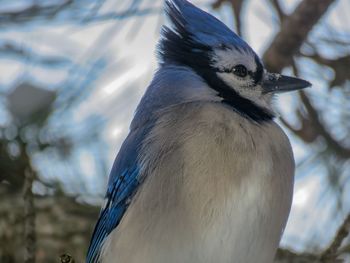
(29, 219)
(287, 256)
(236, 6)
(217, 3)
(339, 65)
(320, 129)
(313, 127)
(331, 253)
(294, 30)
(328, 256)
(277, 6)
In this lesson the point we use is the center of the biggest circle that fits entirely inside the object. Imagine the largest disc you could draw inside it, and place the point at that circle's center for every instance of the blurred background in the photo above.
(73, 71)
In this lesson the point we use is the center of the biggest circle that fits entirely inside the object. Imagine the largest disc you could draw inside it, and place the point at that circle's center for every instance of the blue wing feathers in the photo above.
(117, 202)
(117, 196)
(124, 181)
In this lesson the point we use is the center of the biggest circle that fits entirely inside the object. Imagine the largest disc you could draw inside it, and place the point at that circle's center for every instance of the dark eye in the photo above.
(240, 71)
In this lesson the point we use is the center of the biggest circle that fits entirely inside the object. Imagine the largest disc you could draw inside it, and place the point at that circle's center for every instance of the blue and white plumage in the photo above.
(205, 175)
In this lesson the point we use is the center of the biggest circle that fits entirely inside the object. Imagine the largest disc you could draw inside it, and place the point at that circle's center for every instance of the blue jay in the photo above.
(205, 174)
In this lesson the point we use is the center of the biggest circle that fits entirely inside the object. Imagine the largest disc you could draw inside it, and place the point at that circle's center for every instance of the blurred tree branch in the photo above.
(339, 65)
(34, 10)
(276, 4)
(29, 219)
(236, 6)
(11, 167)
(293, 32)
(64, 224)
(82, 12)
(20, 52)
(287, 256)
(134, 12)
(330, 254)
(319, 128)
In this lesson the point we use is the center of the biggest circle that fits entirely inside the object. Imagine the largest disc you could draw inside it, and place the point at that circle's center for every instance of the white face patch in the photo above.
(226, 59)
(230, 57)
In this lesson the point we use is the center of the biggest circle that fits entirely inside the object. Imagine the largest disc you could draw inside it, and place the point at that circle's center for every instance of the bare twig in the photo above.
(328, 256)
(287, 256)
(331, 253)
(135, 12)
(29, 218)
(339, 65)
(320, 128)
(18, 51)
(32, 11)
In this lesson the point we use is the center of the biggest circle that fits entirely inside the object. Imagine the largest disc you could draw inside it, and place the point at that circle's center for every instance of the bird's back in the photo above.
(220, 191)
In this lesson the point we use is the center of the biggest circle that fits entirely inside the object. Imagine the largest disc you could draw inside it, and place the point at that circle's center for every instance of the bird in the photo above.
(205, 174)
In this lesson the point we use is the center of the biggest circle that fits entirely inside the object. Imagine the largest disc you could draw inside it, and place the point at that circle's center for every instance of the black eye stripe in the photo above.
(256, 76)
(240, 71)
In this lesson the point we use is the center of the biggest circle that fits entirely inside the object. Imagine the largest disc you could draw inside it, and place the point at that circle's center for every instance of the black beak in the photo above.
(276, 83)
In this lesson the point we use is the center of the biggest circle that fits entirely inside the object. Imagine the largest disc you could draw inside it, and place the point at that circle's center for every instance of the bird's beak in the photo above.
(276, 83)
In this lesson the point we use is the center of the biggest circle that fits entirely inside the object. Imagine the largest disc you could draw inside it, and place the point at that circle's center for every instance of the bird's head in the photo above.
(225, 61)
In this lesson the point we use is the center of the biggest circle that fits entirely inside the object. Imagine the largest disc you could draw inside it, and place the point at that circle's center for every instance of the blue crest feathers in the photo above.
(201, 26)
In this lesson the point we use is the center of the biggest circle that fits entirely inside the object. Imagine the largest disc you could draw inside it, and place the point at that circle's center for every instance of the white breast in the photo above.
(218, 189)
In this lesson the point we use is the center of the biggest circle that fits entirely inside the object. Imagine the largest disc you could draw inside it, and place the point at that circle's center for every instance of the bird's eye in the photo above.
(240, 71)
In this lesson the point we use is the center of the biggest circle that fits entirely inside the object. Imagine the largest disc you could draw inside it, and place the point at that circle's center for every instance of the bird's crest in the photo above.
(194, 30)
